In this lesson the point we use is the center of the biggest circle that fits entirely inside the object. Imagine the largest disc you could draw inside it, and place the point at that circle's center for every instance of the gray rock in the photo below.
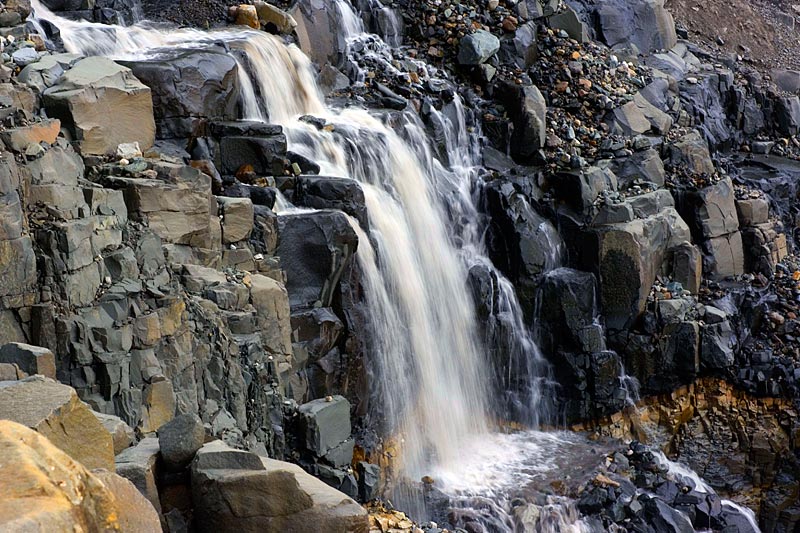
(522, 243)
(568, 304)
(787, 115)
(752, 211)
(691, 150)
(644, 166)
(344, 194)
(630, 256)
(368, 480)
(477, 48)
(316, 249)
(259, 494)
(121, 433)
(580, 188)
(25, 56)
(727, 255)
(718, 343)
(237, 218)
(179, 439)
(139, 465)
(787, 80)
(326, 423)
(717, 211)
(687, 267)
(644, 23)
(568, 21)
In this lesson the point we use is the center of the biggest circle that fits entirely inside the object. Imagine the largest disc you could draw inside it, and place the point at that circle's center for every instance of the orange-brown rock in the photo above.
(55, 411)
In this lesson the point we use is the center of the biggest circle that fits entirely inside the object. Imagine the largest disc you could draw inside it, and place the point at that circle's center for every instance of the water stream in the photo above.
(436, 385)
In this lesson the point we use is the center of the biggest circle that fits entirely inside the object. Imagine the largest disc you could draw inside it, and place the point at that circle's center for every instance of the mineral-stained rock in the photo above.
(158, 405)
(179, 439)
(94, 89)
(18, 139)
(30, 359)
(135, 513)
(55, 411)
(275, 19)
(44, 489)
(235, 490)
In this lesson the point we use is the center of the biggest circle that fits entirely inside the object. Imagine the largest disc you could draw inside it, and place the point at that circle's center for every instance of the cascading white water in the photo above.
(434, 381)
(424, 331)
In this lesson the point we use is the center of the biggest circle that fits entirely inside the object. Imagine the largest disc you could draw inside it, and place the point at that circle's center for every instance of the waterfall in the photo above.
(437, 388)
(432, 372)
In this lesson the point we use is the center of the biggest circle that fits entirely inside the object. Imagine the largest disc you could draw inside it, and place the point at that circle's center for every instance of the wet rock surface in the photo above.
(637, 190)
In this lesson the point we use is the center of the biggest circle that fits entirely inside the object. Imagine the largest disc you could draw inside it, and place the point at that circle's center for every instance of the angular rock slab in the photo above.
(44, 489)
(55, 411)
(234, 490)
(95, 89)
(30, 359)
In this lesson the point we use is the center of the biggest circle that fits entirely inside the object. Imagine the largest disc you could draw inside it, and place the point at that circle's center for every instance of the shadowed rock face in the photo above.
(189, 87)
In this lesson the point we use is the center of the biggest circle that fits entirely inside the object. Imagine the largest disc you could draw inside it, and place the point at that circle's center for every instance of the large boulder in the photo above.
(44, 489)
(691, 151)
(234, 490)
(630, 256)
(189, 86)
(319, 29)
(55, 411)
(139, 465)
(568, 307)
(315, 250)
(326, 422)
(93, 90)
(179, 439)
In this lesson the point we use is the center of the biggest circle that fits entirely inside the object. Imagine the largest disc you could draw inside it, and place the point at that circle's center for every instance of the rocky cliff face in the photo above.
(174, 256)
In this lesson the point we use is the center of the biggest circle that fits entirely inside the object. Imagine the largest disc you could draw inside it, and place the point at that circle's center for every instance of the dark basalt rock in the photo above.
(316, 250)
(189, 87)
(344, 194)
